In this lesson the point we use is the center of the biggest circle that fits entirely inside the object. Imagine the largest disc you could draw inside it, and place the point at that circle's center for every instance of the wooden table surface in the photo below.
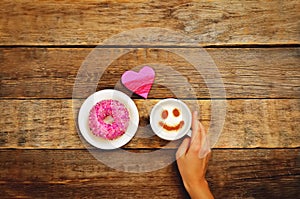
(255, 45)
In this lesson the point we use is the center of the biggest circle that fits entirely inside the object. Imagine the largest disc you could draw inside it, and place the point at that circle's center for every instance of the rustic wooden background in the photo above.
(255, 45)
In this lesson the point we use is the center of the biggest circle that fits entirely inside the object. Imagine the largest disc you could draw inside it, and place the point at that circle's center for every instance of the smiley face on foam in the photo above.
(170, 119)
(171, 122)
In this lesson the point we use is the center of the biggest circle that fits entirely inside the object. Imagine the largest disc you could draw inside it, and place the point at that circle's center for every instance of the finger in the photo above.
(205, 148)
(202, 134)
(183, 148)
(195, 127)
(206, 160)
(202, 129)
(205, 145)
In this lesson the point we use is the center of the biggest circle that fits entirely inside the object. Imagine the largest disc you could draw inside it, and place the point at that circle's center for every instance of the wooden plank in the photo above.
(248, 124)
(246, 73)
(255, 173)
(90, 22)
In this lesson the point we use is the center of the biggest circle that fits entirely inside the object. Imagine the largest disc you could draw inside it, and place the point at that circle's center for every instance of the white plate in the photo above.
(84, 112)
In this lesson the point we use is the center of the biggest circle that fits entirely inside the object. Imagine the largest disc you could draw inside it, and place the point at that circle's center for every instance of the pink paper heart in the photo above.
(139, 82)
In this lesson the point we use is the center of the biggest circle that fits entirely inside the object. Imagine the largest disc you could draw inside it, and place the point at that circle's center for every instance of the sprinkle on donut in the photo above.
(118, 119)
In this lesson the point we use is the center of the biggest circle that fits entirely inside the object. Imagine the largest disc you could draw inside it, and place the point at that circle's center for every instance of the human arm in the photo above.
(192, 160)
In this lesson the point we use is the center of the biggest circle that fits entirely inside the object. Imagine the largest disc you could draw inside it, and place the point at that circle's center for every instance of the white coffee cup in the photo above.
(171, 119)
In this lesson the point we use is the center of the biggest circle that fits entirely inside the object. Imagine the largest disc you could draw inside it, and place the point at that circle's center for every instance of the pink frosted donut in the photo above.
(120, 119)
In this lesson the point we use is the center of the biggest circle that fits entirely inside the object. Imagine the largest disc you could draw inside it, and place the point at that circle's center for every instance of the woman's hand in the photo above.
(192, 159)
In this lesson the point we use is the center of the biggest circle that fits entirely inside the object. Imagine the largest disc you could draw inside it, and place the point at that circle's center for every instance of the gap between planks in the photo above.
(275, 45)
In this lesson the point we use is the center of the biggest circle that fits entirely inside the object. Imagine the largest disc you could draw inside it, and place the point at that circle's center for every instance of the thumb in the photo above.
(183, 148)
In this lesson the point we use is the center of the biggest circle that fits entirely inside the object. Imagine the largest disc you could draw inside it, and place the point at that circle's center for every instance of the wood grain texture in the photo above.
(246, 73)
(248, 124)
(256, 173)
(90, 22)
(41, 153)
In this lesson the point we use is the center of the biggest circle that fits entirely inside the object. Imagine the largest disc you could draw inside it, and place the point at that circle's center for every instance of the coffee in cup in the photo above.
(171, 119)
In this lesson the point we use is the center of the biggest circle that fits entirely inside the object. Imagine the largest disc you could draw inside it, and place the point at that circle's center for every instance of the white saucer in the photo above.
(84, 112)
